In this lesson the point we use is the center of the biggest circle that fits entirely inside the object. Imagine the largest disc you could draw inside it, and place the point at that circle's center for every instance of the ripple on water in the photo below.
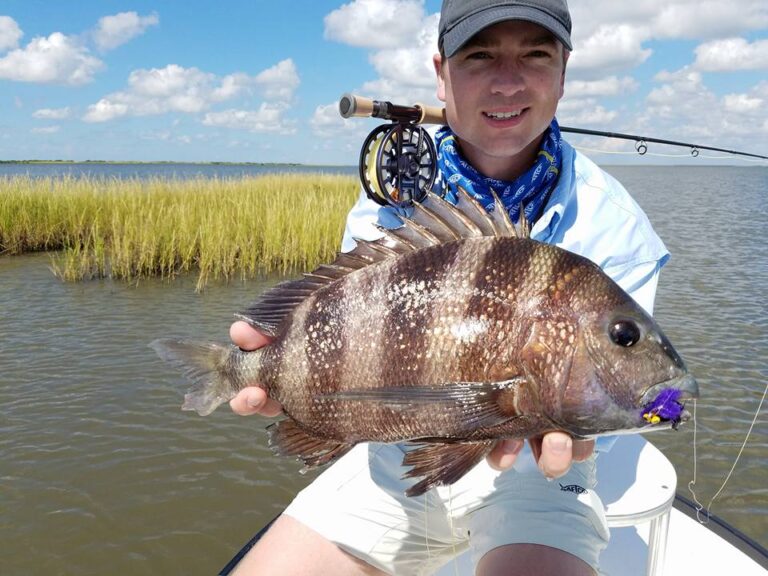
(103, 473)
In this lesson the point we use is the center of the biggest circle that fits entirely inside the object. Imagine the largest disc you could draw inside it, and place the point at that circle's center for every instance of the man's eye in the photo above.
(539, 54)
(478, 55)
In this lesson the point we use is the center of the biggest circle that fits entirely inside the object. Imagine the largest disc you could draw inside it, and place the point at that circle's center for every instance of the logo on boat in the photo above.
(573, 488)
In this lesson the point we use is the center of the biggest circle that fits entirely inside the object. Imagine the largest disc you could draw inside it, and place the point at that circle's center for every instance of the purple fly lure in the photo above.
(664, 408)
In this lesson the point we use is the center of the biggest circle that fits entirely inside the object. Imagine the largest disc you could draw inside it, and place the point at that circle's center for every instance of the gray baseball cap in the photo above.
(462, 19)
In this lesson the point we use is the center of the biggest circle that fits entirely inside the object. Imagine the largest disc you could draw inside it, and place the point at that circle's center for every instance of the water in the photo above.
(101, 473)
(170, 170)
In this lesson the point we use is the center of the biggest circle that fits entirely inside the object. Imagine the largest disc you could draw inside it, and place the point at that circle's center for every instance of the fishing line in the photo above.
(692, 483)
(426, 524)
(450, 526)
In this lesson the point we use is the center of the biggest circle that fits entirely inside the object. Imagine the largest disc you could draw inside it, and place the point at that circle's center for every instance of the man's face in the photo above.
(501, 91)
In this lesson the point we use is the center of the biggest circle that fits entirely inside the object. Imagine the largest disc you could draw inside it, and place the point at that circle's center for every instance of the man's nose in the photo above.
(508, 79)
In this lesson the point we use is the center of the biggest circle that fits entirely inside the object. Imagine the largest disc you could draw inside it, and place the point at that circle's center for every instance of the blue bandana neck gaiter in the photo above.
(531, 188)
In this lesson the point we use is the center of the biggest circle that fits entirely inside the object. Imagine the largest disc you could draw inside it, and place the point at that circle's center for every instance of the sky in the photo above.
(259, 81)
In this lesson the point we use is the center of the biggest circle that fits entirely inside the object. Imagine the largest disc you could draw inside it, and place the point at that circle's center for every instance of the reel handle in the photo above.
(357, 106)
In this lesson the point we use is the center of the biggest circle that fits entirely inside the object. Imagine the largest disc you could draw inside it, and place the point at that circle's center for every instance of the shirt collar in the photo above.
(546, 226)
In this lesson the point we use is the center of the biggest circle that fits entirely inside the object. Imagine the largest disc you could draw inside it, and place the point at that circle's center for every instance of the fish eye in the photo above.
(625, 333)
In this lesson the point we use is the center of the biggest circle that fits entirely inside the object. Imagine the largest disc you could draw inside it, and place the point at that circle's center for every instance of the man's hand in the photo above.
(554, 452)
(251, 400)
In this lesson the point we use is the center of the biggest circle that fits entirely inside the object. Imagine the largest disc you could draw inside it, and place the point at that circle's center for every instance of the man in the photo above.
(501, 73)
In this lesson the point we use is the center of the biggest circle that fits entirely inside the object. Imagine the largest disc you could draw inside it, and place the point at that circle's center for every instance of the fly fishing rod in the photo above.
(641, 142)
(398, 160)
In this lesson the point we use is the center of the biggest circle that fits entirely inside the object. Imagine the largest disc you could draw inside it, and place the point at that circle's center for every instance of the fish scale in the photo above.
(452, 331)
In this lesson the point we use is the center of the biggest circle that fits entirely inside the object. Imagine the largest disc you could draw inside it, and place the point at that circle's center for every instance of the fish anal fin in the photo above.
(442, 463)
(287, 438)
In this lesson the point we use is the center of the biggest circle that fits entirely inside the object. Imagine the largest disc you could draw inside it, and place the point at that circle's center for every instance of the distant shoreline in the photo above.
(211, 163)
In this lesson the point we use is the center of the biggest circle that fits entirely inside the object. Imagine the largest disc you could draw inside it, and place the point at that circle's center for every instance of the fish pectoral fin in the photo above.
(287, 438)
(442, 463)
(474, 404)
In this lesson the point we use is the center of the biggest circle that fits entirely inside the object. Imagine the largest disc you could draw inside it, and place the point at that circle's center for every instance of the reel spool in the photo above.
(398, 164)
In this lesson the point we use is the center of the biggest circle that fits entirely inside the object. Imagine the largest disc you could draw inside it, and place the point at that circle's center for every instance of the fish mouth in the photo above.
(663, 405)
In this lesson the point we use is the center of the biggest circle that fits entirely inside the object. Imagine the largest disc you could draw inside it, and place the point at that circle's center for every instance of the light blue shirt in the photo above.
(589, 213)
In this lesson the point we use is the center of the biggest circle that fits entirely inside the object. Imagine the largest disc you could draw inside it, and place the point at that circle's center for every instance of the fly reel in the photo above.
(398, 164)
(398, 161)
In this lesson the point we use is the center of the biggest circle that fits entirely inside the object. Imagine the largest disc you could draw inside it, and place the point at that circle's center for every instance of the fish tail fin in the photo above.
(206, 365)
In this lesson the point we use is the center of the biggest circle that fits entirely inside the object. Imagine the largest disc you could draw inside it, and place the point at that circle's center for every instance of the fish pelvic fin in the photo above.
(209, 367)
(287, 438)
(442, 463)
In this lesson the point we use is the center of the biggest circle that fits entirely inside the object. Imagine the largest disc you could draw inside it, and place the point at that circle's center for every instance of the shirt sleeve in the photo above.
(361, 222)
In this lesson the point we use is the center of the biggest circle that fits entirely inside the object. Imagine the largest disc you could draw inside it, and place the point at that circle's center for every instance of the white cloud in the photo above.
(326, 121)
(113, 31)
(742, 103)
(46, 130)
(279, 82)
(105, 110)
(709, 18)
(268, 118)
(375, 23)
(611, 36)
(51, 113)
(731, 54)
(232, 86)
(167, 82)
(584, 112)
(190, 90)
(610, 49)
(689, 19)
(402, 39)
(608, 86)
(10, 33)
(685, 108)
(57, 59)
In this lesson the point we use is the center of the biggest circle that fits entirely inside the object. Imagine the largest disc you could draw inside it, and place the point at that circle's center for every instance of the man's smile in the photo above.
(504, 115)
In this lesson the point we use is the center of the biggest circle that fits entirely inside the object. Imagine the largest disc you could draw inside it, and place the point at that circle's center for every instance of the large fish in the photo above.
(452, 331)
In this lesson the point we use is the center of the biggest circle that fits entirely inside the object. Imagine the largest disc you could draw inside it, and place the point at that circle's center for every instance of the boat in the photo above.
(654, 530)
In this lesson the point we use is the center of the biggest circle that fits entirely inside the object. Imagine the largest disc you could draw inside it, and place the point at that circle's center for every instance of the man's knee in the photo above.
(530, 559)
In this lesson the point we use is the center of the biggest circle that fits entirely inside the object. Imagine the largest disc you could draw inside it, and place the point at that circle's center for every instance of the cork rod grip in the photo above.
(431, 114)
(351, 106)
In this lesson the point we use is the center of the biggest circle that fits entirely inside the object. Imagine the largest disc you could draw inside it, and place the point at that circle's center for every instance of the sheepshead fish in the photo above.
(452, 331)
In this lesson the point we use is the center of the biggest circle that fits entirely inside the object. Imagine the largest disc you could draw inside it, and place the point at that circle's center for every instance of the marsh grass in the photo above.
(132, 229)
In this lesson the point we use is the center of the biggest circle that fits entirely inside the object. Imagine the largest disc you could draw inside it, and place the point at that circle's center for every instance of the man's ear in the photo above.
(438, 62)
(566, 55)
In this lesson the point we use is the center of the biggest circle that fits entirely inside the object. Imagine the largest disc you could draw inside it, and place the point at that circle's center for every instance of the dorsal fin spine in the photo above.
(432, 222)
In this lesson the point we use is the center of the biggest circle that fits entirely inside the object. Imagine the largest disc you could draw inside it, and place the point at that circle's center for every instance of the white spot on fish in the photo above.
(469, 329)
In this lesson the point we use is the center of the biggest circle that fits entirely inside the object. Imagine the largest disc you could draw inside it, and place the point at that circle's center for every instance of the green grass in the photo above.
(132, 229)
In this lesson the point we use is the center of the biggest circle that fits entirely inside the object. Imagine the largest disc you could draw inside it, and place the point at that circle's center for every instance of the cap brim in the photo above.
(457, 36)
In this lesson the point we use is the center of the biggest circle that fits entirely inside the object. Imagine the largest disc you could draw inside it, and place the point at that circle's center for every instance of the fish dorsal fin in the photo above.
(501, 218)
(275, 304)
(433, 222)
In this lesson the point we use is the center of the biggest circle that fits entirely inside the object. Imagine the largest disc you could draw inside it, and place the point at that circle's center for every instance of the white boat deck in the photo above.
(648, 537)
(691, 549)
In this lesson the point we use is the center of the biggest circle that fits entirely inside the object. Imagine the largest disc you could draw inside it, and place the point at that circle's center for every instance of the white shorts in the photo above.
(359, 504)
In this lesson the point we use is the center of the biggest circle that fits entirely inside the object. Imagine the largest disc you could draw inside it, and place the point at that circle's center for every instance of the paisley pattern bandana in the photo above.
(531, 188)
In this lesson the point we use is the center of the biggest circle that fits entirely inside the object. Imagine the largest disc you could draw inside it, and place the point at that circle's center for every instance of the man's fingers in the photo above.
(254, 400)
(504, 454)
(556, 454)
(247, 337)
